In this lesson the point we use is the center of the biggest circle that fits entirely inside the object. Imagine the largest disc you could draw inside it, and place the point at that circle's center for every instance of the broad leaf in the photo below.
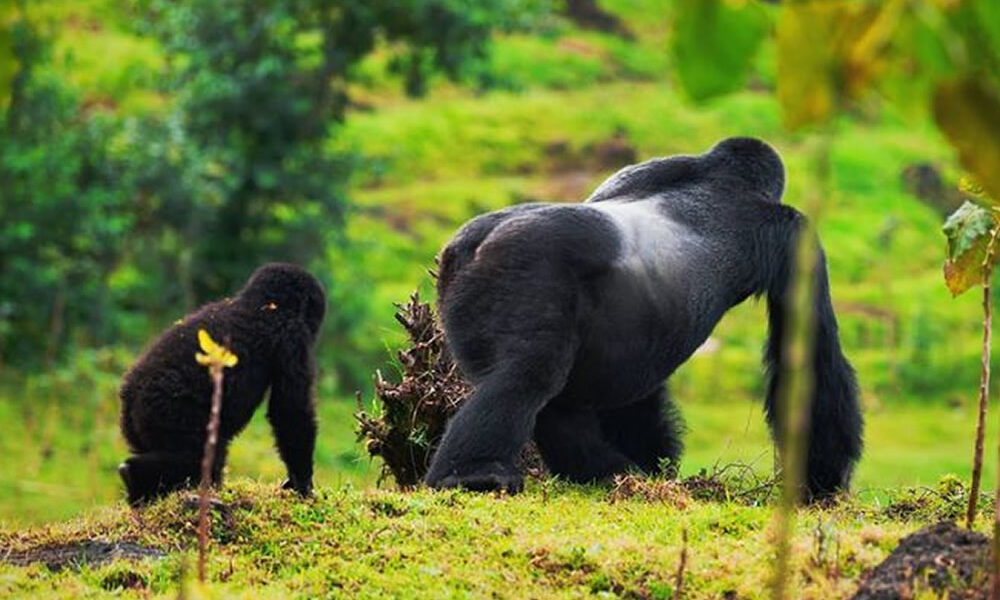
(969, 231)
(968, 112)
(828, 51)
(714, 43)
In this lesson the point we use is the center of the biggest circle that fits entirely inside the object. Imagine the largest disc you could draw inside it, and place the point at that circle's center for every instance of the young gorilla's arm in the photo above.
(291, 410)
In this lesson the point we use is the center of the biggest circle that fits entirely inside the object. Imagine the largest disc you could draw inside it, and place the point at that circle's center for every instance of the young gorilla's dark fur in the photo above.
(271, 325)
(568, 319)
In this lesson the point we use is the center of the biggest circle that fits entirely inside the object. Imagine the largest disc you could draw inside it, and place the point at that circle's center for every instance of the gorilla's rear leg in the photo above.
(479, 448)
(154, 474)
(573, 446)
(510, 308)
(151, 475)
(648, 431)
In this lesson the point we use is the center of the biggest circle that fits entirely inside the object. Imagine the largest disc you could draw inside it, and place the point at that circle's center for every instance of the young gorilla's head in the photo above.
(288, 287)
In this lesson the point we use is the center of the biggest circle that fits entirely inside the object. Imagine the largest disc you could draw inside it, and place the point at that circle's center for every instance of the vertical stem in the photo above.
(984, 387)
(681, 566)
(995, 591)
(795, 398)
(211, 440)
(795, 394)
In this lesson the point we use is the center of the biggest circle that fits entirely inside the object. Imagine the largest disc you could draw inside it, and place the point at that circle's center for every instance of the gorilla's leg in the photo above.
(150, 475)
(648, 431)
(573, 446)
(518, 355)
(835, 423)
(483, 439)
(154, 474)
(512, 310)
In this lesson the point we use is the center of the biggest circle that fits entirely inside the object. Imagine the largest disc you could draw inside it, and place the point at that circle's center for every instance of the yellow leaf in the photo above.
(828, 51)
(214, 353)
(968, 112)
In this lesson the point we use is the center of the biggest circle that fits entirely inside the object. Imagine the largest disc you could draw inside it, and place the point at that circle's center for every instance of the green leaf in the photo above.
(965, 226)
(970, 232)
(968, 112)
(714, 43)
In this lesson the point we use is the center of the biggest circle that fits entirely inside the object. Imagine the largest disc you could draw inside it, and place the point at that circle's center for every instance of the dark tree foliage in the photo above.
(258, 86)
(111, 223)
(60, 211)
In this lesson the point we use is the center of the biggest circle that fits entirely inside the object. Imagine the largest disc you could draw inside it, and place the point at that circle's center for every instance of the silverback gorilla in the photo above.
(271, 325)
(568, 319)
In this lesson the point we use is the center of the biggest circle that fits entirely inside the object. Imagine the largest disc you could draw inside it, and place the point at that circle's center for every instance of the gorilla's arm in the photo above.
(834, 442)
(291, 410)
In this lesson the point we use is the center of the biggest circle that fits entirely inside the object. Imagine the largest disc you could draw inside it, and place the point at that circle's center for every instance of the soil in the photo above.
(942, 557)
(76, 554)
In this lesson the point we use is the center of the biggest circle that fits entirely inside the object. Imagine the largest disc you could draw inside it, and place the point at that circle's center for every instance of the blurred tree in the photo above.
(155, 212)
(257, 87)
(60, 210)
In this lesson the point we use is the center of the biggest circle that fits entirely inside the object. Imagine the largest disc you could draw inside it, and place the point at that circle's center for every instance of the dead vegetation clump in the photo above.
(411, 415)
(945, 501)
(733, 482)
(650, 489)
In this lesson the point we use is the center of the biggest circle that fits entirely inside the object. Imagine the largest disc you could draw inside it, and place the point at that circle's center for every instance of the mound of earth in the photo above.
(942, 557)
(58, 556)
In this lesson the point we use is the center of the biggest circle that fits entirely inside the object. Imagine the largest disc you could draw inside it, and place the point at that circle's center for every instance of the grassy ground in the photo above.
(554, 541)
(59, 476)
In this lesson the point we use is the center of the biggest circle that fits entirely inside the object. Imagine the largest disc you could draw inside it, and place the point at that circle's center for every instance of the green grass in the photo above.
(64, 462)
(554, 541)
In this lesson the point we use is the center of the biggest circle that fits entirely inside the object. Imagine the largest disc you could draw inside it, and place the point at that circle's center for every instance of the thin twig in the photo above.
(207, 460)
(984, 383)
(681, 566)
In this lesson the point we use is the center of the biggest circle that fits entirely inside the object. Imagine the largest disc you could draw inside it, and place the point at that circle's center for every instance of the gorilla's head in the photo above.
(753, 163)
(284, 286)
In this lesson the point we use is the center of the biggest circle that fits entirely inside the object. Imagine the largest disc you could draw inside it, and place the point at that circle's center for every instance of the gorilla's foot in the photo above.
(125, 473)
(493, 476)
(304, 490)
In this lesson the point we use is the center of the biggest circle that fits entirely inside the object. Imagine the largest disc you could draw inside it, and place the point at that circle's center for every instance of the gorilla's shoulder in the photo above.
(739, 164)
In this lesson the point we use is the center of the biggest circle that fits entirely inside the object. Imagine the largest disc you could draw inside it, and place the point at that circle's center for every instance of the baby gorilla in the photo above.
(271, 325)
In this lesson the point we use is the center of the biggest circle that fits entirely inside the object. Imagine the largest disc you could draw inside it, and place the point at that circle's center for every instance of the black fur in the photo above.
(568, 319)
(271, 325)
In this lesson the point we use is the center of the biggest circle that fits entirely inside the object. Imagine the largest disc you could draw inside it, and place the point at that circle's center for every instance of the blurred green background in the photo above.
(152, 153)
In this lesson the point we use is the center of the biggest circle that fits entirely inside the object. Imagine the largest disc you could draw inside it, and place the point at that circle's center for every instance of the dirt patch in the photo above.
(81, 553)
(943, 557)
